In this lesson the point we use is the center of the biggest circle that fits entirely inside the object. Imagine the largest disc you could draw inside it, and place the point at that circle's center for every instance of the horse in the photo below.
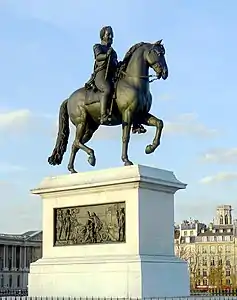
(131, 105)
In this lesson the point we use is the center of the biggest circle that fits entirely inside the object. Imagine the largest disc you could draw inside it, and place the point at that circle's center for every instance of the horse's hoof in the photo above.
(72, 171)
(149, 149)
(92, 160)
(128, 163)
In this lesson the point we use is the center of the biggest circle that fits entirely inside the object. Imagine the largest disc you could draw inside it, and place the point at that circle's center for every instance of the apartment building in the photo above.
(211, 250)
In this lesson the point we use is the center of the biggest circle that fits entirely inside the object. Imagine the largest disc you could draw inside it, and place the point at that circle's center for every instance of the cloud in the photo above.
(189, 124)
(184, 124)
(219, 177)
(221, 156)
(8, 168)
(23, 120)
(14, 120)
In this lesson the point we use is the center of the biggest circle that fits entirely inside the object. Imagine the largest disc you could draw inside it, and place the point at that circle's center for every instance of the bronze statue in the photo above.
(122, 88)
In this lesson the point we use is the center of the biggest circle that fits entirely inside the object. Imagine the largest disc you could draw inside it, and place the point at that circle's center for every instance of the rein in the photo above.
(155, 77)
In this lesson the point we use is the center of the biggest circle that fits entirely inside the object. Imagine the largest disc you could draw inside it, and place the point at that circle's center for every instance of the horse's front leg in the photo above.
(126, 127)
(151, 120)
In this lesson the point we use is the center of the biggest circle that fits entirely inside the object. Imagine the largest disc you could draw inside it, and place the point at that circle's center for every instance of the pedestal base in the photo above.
(128, 253)
(114, 276)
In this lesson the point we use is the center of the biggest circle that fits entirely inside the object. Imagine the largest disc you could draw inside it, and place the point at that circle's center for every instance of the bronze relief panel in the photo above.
(92, 224)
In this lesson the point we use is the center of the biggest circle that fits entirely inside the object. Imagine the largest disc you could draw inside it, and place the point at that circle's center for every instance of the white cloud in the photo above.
(14, 120)
(189, 124)
(23, 120)
(221, 156)
(8, 168)
(219, 177)
(184, 124)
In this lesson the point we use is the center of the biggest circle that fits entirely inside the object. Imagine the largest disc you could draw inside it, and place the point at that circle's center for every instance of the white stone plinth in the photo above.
(143, 266)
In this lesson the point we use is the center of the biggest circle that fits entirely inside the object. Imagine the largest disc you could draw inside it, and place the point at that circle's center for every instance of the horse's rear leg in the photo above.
(151, 120)
(84, 132)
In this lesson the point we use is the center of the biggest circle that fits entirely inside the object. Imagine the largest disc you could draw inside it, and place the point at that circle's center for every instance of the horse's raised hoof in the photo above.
(149, 149)
(92, 160)
(128, 163)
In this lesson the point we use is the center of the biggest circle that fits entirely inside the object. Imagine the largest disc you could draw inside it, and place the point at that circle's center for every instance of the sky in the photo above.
(46, 54)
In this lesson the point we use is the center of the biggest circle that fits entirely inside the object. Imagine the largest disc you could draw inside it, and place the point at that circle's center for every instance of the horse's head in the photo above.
(156, 59)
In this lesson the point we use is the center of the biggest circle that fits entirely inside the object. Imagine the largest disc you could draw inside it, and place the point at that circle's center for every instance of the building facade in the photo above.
(211, 250)
(16, 254)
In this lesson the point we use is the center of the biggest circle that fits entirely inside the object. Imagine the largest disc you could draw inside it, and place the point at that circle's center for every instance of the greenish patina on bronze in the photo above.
(117, 93)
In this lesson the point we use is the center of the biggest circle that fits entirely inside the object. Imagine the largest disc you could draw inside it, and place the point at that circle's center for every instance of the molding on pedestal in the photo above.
(107, 259)
(163, 179)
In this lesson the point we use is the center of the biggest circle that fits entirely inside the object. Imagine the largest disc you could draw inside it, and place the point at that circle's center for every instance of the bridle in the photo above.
(155, 77)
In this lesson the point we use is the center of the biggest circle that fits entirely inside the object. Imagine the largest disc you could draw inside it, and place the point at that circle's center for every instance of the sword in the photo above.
(106, 75)
(107, 68)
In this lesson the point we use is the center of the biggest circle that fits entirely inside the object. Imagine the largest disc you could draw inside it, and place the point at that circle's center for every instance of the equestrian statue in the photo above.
(117, 93)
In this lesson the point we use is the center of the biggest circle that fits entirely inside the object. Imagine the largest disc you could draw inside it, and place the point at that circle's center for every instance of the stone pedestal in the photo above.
(140, 264)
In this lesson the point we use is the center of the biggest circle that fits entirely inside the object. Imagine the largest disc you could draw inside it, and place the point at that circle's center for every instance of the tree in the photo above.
(190, 253)
(216, 274)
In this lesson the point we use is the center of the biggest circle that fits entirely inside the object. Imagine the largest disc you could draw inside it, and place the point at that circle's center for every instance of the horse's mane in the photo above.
(129, 54)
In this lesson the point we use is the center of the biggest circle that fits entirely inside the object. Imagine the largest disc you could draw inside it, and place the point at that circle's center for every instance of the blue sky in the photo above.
(46, 53)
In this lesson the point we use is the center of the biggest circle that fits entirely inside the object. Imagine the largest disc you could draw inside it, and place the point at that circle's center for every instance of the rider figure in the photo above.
(105, 66)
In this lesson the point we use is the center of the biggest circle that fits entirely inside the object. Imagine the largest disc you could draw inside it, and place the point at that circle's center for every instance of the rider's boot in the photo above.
(103, 110)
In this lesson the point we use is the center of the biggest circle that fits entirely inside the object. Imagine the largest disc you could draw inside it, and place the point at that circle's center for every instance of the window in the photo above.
(221, 220)
(204, 250)
(212, 261)
(2, 281)
(204, 238)
(227, 272)
(227, 238)
(191, 233)
(227, 282)
(227, 262)
(211, 238)
(10, 281)
(204, 281)
(219, 238)
(226, 219)
(185, 233)
(227, 249)
(204, 273)
(18, 280)
(204, 262)
(220, 262)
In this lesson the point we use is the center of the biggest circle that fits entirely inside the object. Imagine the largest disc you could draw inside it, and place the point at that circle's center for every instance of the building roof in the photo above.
(19, 237)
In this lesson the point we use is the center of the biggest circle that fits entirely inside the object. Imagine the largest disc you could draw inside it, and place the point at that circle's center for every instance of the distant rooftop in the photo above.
(19, 237)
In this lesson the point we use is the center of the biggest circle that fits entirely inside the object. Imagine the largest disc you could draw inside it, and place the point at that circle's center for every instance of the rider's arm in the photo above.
(99, 56)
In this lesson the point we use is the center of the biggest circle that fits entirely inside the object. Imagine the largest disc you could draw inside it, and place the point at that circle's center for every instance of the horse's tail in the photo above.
(63, 136)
